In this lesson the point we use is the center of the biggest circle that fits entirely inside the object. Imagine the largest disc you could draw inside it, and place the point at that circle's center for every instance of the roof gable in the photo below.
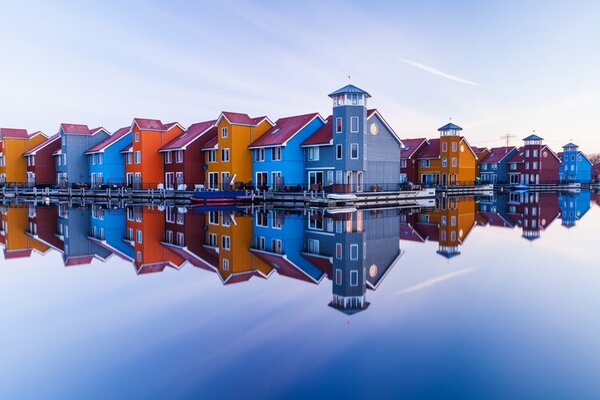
(13, 133)
(145, 124)
(375, 112)
(411, 147)
(40, 146)
(497, 154)
(322, 136)
(75, 129)
(206, 130)
(431, 149)
(284, 129)
(351, 89)
(115, 137)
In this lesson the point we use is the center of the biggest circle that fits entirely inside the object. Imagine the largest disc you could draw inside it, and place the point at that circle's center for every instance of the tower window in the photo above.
(338, 276)
(338, 125)
(354, 151)
(353, 278)
(338, 152)
(354, 124)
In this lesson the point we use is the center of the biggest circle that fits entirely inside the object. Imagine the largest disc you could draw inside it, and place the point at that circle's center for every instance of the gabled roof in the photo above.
(242, 119)
(34, 134)
(286, 267)
(283, 130)
(148, 124)
(77, 129)
(323, 135)
(349, 89)
(518, 157)
(127, 149)
(40, 146)
(411, 146)
(533, 137)
(14, 133)
(21, 253)
(497, 154)
(103, 145)
(430, 150)
(211, 144)
(205, 130)
(374, 111)
(450, 126)
(98, 129)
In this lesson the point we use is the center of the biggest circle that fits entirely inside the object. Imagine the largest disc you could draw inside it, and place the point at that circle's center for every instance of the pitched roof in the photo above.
(149, 124)
(284, 129)
(211, 144)
(75, 128)
(533, 137)
(14, 133)
(450, 126)
(127, 149)
(205, 130)
(570, 144)
(430, 150)
(286, 267)
(98, 129)
(323, 135)
(411, 146)
(103, 145)
(40, 146)
(349, 89)
(497, 154)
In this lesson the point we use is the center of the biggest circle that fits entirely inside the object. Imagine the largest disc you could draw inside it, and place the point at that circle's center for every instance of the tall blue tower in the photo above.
(349, 128)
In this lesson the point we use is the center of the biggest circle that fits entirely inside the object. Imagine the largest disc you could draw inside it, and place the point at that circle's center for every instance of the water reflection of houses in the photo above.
(533, 212)
(14, 234)
(573, 206)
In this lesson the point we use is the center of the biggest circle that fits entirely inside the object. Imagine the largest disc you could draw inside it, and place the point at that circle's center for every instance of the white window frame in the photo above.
(224, 132)
(225, 151)
(354, 278)
(339, 125)
(354, 125)
(225, 242)
(352, 147)
(339, 152)
(138, 157)
(276, 154)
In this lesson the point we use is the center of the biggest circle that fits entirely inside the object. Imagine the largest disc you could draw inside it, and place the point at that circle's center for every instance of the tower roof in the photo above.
(533, 137)
(570, 144)
(450, 126)
(349, 89)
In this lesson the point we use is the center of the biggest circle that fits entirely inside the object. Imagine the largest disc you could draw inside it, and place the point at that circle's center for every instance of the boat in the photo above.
(217, 197)
(341, 196)
(520, 186)
(341, 210)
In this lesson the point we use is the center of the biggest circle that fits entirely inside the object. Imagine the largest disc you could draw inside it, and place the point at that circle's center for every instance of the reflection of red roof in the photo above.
(323, 135)
(199, 261)
(407, 232)
(495, 219)
(432, 231)
(14, 133)
(411, 146)
(150, 268)
(108, 141)
(149, 124)
(282, 265)
(78, 260)
(40, 146)
(284, 129)
(497, 154)
(323, 263)
(75, 128)
(23, 253)
(430, 150)
(205, 130)
(239, 277)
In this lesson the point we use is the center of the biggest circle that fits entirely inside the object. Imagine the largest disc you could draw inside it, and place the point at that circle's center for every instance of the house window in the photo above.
(225, 264)
(526, 153)
(494, 166)
(535, 165)
(425, 163)
(527, 165)
(454, 147)
(225, 219)
(64, 157)
(443, 220)
(276, 153)
(313, 246)
(224, 132)
(93, 159)
(137, 137)
(354, 278)
(225, 242)
(179, 156)
(276, 246)
(168, 159)
(100, 158)
(313, 154)
(353, 252)
(138, 236)
(444, 147)
(128, 158)
(338, 251)
(260, 155)
(453, 220)
(403, 163)
(338, 125)
(338, 276)
(213, 218)
(169, 236)
(138, 157)
(260, 242)
(213, 180)
(454, 162)
(444, 162)
(354, 124)
(338, 152)
(535, 152)
(139, 256)
(224, 155)
(354, 151)
(211, 156)
(180, 239)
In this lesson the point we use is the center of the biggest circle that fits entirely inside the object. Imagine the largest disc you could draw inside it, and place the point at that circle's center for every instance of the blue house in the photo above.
(493, 168)
(575, 165)
(279, 241)
(573, 206)
(107, 230)
(106, 163)
(277, 158)
(355, 150)
(72, 165)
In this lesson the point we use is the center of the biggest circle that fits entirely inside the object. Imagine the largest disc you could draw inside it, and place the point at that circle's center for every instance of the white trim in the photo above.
(294, 134)
(319, 168)
(394, 134)
(42, 145)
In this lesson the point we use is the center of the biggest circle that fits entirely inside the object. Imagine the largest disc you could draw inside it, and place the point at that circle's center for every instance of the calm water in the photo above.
(477, 298)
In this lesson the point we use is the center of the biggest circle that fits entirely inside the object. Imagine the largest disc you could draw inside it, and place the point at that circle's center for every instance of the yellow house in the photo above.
(228, 160)
(13, 143)
(17, 242)
(230, 236)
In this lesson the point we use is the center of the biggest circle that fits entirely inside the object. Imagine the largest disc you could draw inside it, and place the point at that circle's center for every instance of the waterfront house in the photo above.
(106, 163)
(355, 150)
(493, 168)
(107, 227)
(573, 206)
(41, 166)
(228, 160)
(534, 163)
(13, 143)
(409, 168)
(71, 161)
(183, 160)
(277, 158)
(143, 162)
(576, 167)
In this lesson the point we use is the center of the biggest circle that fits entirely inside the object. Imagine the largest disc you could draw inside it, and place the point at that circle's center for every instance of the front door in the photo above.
(315, 180)
(277, 181)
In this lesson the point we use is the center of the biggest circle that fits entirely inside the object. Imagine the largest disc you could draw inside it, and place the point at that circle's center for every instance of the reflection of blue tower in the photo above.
(573, 206)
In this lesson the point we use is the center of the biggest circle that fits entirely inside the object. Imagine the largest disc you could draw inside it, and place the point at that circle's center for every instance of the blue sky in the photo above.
(495, 68)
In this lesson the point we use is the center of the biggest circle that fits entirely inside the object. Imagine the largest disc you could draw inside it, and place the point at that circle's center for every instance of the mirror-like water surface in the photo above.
(475, 298)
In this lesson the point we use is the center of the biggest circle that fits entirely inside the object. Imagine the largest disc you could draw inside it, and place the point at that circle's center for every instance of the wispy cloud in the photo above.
(434, 281)
(439, 73)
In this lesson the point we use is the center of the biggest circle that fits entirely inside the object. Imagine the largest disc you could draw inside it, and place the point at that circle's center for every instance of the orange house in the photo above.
(229, 236)
(145, 228)
(228, 159)
(143, 162)
(13, 143)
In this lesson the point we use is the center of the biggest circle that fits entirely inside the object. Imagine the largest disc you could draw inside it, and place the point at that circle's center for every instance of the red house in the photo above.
(409, 169)
(183, 159)
(533, 212)
(41, 166)
(534, 164)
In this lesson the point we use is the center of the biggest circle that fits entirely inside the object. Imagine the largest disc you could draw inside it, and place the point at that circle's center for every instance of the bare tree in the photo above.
(594, 158)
